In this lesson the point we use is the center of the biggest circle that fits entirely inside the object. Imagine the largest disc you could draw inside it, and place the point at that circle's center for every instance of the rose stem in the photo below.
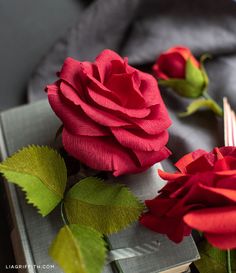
(114, 264)
(62, 214)
(228, 261)
(218, 109)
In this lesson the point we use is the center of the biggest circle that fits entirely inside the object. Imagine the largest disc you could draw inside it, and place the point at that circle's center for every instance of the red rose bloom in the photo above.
(201, 195)
(172, 63)
(113, 115)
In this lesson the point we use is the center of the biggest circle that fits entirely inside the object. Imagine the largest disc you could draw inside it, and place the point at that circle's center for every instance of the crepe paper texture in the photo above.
(41, 173)
(107, 208)
(201, 195)
(200, 104)
(98, 207)
(192, 86)
(178, 69)
(79, 249)
(172, 63)
(113, 116)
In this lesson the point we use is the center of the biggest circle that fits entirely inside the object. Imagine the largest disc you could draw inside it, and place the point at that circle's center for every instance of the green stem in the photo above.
(229, 270)
(217, 109)
(62, 214)
(115, 264)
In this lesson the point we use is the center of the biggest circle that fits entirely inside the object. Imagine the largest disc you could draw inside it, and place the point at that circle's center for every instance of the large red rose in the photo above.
(113, 115)
(201, 195)
(172, 63)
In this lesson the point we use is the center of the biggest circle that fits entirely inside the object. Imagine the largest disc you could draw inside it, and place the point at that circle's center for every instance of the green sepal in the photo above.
(213, 259)
(79, 249)
(194, 76)
(203, 70)
(182, 87)
(40, 172)
(192, 86)
(202, 103)
(105, 207)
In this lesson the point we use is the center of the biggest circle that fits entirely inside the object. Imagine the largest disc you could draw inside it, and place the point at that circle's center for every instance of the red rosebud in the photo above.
(201, 195)
(178, 69)
(172, 63)
(113, 115)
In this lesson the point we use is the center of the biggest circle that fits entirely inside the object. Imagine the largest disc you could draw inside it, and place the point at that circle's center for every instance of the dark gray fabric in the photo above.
(141, 30)
(28, 29)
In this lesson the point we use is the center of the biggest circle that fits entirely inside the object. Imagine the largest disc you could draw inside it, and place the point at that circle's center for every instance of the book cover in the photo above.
(31, 234)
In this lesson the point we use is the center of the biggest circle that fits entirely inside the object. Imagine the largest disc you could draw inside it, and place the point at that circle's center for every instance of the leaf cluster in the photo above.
(92, 207)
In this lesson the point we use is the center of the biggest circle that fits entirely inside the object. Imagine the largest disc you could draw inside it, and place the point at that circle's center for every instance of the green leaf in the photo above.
(40, 172)
(79, 249)
(194, 75)
(201, 103)
(213, 259)
(182, 87)
(104, 207)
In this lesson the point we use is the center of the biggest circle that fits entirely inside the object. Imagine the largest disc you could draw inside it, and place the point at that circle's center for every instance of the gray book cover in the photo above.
(32, 234)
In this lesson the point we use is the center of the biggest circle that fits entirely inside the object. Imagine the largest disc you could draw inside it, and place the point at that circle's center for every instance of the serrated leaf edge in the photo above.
(27, 197)
(25, 172)
(141, 206)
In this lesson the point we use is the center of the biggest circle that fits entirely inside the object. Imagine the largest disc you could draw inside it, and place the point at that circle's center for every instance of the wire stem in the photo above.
(62, 214)
(229, 269)
(217, 109)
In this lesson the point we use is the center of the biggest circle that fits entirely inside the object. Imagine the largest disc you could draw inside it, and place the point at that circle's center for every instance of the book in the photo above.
(32, 234)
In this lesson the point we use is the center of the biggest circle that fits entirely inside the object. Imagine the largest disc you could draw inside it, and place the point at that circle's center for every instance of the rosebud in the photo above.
(177, 68)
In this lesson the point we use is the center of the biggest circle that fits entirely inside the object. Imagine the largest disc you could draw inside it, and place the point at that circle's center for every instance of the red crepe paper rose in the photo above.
(201, 196)
(178, 69)
(113, 115)
(172, 63)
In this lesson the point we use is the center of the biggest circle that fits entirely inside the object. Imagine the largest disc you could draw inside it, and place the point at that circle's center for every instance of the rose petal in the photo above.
(138, 140)
(226, 193)
(102, 117)
(72, 73)
(147, 85)
(223, 241)
(200, 189)
(160, 206)
(183, 162)
(100, 153)
(227, 163)
(228, 151)
(185, 52)
(149, 158)
(226, 173)
(158, 73)
(107, 103)
(226, 182)
(125, 86)
(213, 220)
(172, 64)
(174, 228)
(104, 63)
(94, 84)
(156, 122)
(169, 176)
(74, 119)
(149, 89)
(187, 159)
(202, 164)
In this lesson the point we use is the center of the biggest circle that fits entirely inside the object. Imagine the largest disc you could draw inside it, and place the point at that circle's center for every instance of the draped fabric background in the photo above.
(143, 29)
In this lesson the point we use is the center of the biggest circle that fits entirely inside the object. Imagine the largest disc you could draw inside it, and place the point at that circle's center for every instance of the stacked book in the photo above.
(32, 235)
